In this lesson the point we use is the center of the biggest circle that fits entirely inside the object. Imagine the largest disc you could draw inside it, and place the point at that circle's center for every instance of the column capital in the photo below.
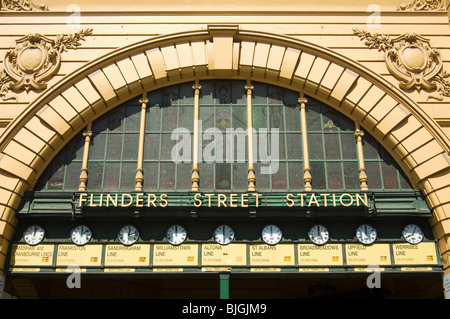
(249, 87)
(197, 87)
(359, 133)
(143, 100)
(302, 100)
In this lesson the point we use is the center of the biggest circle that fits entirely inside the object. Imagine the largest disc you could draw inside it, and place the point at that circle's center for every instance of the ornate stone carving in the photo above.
(34, 60)
(412, 60)
(423, 5)
(22, 5)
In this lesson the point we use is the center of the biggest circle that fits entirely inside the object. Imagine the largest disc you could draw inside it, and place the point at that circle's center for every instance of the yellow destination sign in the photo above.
(181, 255)
(313, 255)
(420, 254)
(120, 255)
(375, 254)
(267, 255)
(25, 255)
(87, 255)
(224, 255)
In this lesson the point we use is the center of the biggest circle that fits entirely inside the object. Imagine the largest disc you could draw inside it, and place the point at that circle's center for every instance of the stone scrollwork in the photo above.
(34, 60)
(412, 60)
(22, 5)
(423, 5)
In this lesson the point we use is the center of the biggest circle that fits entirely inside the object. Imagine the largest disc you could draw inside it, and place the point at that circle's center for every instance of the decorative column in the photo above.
(195, 173)
(84, 167)
(251, 170)
(362, 169)
(139, 170)
(306, 169)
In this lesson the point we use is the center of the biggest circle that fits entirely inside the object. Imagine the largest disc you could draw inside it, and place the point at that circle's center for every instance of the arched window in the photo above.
(223, 159)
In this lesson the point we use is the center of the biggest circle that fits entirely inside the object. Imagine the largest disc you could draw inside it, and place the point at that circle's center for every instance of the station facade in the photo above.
(216, 151)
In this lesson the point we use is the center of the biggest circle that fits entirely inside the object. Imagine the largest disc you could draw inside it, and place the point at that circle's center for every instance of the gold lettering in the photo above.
(233, 200)
(209, 199)
(325, 201)
(313, 199)
(257, 198)
(198, 201)
(152, 200)
(301, 198)
(244, 201)
(139, 200)
(290, 201)
(82, 199)
(363, 200)
(91, 202)
(110, 199)
(101, 200)
(221, 198)
(342, 202)
(164, 202)
(123, 204)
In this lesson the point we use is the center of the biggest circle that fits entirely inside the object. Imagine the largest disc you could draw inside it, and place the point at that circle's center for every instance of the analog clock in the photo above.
(223, 234)
(413, 234)
(81, 235)
(176, 234)
(271, 234)
(366, 234)
(128, 235)
(318, 234)
(33, 235)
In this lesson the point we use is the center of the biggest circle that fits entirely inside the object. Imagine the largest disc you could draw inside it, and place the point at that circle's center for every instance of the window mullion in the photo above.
(85, 161)
(251, 170)
(307, 178)
(195, 172)
(362, 169)
(139, 170)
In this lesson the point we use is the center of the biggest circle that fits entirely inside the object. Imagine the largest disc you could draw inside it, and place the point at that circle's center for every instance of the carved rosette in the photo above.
(34, 60)
(22, 5)
(423, 5)
(411, 60)
(31, 62)
(414, 62)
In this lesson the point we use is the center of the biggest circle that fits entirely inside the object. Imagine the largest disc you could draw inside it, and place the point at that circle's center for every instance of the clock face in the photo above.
(318, 234)
(176, 234)
(413, 234)
(81, 235)
(34, 235)
(223, 234)
(128, 235)
(366, 234)
(271, 234)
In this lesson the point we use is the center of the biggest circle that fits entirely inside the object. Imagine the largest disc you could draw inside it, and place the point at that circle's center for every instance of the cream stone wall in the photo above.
(302, 45)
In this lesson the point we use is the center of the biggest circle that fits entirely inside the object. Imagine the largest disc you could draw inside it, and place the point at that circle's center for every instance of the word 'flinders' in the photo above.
(222, 200)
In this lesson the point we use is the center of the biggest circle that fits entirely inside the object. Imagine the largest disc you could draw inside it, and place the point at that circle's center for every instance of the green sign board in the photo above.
(222, 200)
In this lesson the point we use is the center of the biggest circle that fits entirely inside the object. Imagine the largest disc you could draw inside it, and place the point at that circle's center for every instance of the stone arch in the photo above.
(414, 140)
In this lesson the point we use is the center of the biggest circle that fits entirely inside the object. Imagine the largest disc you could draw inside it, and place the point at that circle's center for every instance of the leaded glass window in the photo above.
(113, 150)
(332, 148)
(223, 136)
(276, 112)
(382, 171)
(168, 109)
(63, 173)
